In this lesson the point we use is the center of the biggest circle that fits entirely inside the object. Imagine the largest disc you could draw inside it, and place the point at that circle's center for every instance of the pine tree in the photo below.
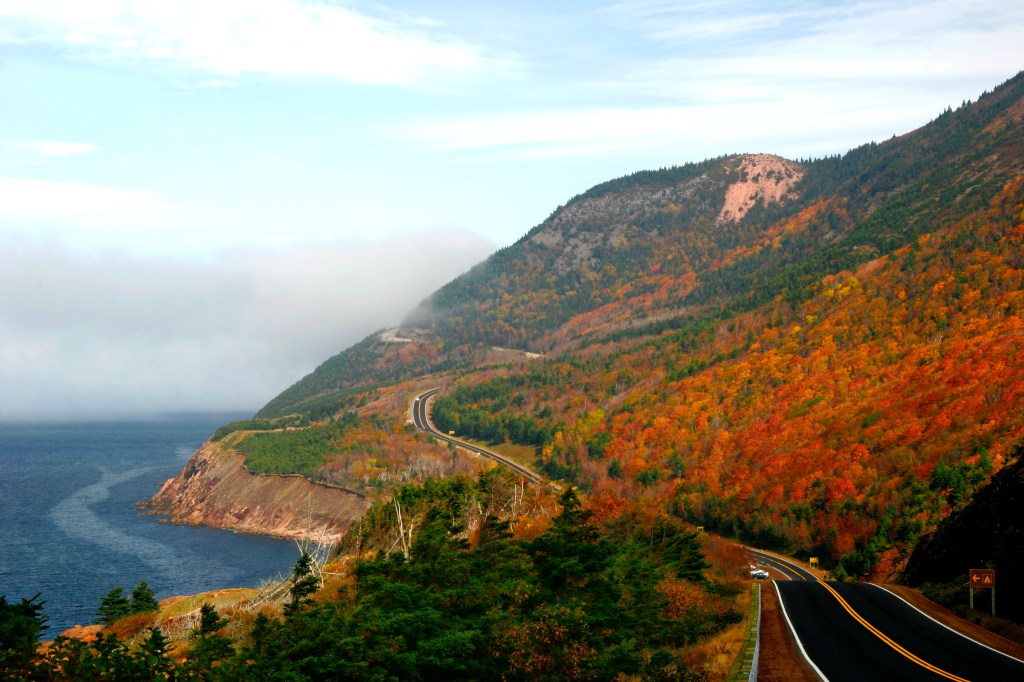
(113, 607)
(152, 655)
(209, 621)
(20, 628)
(144, 599)
(304, 582)
(210, 647)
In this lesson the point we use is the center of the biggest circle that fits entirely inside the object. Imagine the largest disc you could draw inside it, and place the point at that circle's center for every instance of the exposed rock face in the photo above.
(585, 226)
(765, 177)
(215, 489)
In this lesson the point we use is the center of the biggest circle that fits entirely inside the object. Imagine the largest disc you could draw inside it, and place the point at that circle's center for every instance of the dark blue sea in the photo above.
(69, 527)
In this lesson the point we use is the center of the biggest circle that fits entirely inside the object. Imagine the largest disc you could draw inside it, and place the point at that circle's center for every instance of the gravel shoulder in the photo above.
(780, 660)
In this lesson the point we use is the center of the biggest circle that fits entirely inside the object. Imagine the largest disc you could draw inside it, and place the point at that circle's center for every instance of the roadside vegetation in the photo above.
(444, 581)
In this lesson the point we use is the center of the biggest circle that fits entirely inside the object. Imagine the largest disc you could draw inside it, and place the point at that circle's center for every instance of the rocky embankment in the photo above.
(215, 489)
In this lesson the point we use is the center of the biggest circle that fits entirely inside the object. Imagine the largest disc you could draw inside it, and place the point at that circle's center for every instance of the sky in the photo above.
(202, 200)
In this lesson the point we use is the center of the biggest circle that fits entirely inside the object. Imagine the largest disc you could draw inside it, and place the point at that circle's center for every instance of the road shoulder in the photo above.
(780, 660)
(952, 621)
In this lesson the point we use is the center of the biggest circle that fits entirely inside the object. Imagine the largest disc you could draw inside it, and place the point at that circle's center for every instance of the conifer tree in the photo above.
(304, 582)
(144, 599)
(20, 628)
(152, 655)
(210, 646)
(113, 607)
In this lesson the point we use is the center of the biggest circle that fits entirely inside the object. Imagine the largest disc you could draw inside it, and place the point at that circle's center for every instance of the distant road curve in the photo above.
(421, 418)
(791, 570)
(861, 631)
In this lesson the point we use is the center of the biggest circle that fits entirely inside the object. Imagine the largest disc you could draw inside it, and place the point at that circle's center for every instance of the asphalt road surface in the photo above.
(860, 631)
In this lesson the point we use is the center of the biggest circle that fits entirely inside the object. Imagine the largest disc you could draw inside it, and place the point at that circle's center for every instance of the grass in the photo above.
(717, 656)
(219, 599)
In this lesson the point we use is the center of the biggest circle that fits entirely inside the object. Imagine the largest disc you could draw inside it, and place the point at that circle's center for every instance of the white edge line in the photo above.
(792, 630)
(953, 630)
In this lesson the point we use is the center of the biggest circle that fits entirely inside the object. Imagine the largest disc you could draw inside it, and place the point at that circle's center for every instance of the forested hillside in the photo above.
(986, 533)
(455, 579)
(818, 355)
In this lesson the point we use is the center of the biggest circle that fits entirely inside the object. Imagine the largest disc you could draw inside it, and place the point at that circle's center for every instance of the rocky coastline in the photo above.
(215, 489)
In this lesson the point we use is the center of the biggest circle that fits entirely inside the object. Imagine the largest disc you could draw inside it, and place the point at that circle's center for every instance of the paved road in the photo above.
(421, 418)
(860, 631)
(790, 570)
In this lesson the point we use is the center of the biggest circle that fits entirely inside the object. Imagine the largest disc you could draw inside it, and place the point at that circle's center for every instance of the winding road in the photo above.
(421, 418)
(847, 632)
(861, 631)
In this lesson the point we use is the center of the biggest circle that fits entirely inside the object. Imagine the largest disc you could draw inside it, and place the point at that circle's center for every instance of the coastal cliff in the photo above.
(215, 489)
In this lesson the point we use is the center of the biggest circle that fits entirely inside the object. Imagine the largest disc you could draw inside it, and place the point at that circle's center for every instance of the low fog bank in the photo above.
(119, 336)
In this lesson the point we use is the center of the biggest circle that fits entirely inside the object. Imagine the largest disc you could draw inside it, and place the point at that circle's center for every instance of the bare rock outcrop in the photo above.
(215, 489)
(764, 177)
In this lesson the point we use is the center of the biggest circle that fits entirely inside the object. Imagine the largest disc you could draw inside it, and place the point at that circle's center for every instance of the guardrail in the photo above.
(745, 668)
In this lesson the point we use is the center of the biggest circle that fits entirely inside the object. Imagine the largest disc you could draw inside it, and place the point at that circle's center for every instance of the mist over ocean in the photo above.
(69, 527)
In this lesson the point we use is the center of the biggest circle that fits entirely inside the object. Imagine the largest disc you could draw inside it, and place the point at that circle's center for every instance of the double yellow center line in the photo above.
(882, 636)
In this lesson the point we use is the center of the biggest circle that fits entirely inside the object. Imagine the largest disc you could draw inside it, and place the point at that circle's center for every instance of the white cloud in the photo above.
(727, 77)
(911, 42)
(113, 334)
(52, 148)
(694, 131)
(76, 204)
(251, 37)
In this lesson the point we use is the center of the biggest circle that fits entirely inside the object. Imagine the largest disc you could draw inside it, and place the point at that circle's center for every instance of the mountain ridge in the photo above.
(793, 371)
(902, 165)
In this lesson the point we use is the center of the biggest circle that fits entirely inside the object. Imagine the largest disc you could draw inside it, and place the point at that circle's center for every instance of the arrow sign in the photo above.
(983, 577)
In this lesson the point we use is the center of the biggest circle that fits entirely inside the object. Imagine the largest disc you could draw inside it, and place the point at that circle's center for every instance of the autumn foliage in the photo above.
(844, 426)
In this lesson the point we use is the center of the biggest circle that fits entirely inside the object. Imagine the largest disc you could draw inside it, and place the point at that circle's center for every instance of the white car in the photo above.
(759, 574)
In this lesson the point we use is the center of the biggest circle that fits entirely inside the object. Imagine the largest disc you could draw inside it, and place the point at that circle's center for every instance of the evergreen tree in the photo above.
(113, 607)
(20, 628)
(209, 621)
(210, 646)
(152, 656)
(144, 599)
(304, 582)
(572, 552)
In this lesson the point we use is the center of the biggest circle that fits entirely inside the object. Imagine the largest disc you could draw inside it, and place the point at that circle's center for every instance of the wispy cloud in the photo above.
(697, 131)
(870, 39)
(55, 149)
(232, 38)
(719, 77)
(735, 24)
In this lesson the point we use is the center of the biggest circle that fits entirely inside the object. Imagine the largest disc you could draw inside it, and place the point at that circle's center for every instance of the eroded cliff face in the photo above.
(215, 489)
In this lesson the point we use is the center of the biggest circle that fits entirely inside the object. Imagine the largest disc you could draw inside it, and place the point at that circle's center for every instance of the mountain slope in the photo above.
(662, 245)
(986, 533)
(796, 352)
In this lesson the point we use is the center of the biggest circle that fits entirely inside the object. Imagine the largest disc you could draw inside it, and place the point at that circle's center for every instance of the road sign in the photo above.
(983, 577)
(813, 561)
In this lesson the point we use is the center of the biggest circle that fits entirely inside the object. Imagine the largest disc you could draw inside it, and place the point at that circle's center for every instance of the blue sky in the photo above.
(200, 201)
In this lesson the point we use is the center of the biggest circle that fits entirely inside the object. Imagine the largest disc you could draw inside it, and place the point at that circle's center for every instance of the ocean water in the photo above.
(69, 528)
